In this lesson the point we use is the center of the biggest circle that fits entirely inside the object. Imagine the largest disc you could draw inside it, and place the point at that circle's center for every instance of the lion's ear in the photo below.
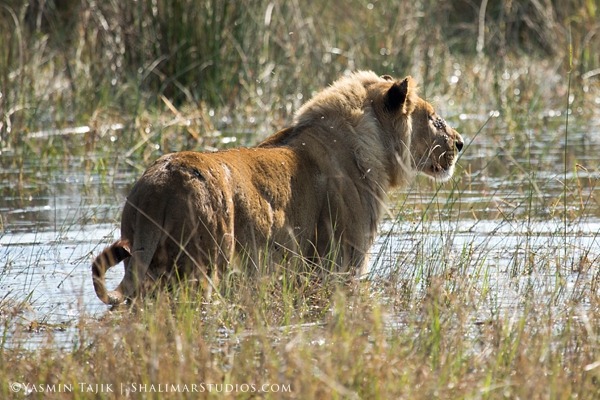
(400, 96)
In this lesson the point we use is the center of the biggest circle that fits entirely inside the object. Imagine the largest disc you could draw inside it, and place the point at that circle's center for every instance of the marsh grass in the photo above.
(250, 64)
(451, 311)
(339, 342)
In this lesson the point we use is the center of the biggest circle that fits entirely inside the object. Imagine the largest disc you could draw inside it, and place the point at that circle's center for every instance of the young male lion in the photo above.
(314, 190)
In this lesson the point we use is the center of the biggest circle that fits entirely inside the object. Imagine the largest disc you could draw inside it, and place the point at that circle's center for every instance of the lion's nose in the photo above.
(458, 141)
(459, 145)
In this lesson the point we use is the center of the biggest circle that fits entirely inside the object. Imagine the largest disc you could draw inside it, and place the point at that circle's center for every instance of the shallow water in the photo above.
(501, 222)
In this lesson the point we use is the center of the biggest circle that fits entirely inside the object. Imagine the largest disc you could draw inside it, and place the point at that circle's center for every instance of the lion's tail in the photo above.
(110, 256)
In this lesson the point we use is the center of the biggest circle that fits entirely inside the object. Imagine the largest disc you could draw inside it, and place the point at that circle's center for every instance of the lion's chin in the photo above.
(438, 173)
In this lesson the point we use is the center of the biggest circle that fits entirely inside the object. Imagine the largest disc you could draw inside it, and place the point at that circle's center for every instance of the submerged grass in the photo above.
(452, 312)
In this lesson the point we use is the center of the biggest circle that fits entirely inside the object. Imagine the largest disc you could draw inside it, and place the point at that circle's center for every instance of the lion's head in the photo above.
(432, 145)
(397, 127)
(435, 145)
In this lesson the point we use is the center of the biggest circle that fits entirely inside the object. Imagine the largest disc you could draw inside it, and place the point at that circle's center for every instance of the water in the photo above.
(501, 222)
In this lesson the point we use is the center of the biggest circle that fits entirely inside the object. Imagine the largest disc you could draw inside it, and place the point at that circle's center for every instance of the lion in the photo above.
(314, 190)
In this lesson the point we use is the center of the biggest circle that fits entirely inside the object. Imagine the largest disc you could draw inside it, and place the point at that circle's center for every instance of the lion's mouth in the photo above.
(440, 169)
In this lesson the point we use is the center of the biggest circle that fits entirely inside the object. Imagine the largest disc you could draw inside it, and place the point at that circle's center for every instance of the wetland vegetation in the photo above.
(485, 287)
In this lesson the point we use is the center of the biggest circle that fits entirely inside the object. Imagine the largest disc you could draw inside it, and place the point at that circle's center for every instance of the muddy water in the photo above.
(501, 221)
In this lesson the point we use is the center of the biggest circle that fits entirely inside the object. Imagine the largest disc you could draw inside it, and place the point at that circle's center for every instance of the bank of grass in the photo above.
(365, 340)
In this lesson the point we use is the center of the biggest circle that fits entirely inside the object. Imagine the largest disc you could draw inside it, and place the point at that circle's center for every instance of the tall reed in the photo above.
(70, 60)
